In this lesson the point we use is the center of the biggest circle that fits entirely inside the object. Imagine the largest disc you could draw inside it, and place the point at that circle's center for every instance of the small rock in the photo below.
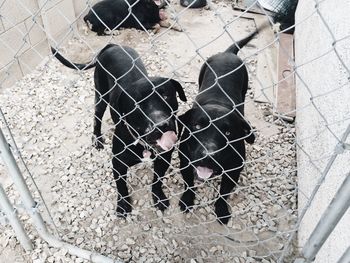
(124, 247)
(174, 243)
(130, 241)
(213, 250)
(80, 240)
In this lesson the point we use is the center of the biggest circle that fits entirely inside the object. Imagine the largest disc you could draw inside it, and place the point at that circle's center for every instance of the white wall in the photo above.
(24, 29)
(322, 76)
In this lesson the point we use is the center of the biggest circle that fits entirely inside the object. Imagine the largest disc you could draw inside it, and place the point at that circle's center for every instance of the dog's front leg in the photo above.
(161, 165)
(187, 199)
(228, 182)
(124, 200)
(119, 173)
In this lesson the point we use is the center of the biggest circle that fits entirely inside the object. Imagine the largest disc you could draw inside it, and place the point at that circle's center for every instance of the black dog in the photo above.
(142, 108)
(212, 143)
(112, 14)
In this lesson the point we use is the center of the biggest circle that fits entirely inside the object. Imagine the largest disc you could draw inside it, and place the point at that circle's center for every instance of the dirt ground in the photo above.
(50, 113)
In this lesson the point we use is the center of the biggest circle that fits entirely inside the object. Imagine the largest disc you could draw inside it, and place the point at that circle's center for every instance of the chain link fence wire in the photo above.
(49, 109)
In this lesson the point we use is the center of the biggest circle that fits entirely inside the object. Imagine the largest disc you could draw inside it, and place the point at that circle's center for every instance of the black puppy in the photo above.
(112, 14)
(142, 108)
(212, 143)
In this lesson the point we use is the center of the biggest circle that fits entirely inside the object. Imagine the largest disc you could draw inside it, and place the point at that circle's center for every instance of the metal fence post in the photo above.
(11, 215)
(328, 221)
(31, 207)
(345, 258)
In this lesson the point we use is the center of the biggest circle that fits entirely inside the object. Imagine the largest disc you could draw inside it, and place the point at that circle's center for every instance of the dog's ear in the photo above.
(179, 89)
(248, 133)
(119, 104)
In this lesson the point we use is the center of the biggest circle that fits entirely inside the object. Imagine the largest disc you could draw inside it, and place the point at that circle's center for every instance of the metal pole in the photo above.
(11, 215)
(31, 208)
(345, 258)
(328, 221)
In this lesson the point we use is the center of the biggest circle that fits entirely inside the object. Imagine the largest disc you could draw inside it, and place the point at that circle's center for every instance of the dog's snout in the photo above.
(157, 132)
(206, 149)
(209, 148)
(159, 117)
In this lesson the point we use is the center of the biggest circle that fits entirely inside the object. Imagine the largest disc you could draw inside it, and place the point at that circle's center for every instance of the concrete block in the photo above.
(81, 8)
(58, 19)
(10, 74)
(29, 60)
(13, 43)
(46, 5)
(16, 11)
(35, 29)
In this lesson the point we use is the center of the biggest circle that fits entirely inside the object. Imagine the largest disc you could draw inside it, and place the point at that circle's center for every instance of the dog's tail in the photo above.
(72, 65)
(235, 47)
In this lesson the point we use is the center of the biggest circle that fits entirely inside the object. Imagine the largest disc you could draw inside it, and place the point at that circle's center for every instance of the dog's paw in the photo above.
(187, 201)
(123, 207)
(222, 213)
(156, 28)
(160, 201)
(98, 142)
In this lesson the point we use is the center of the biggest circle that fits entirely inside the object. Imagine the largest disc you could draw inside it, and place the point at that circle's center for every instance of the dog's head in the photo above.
(214, 139)
(149, 10)
(148, 108)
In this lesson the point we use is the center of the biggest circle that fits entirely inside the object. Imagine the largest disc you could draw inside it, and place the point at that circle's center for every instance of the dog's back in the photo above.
(223, 79)
(121, 62)
(116, 68)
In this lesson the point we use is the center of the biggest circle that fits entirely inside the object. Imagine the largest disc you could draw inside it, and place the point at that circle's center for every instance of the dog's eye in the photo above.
(197, 127)
(227, 133)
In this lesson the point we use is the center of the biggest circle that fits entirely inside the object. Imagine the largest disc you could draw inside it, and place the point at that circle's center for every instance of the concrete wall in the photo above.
(25, 26)
(323, 77)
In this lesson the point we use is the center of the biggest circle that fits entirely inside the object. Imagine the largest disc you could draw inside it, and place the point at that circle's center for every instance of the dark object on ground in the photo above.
(286, 15)
(212, 142)
(193, 3)
(113, 14)
(142, 109)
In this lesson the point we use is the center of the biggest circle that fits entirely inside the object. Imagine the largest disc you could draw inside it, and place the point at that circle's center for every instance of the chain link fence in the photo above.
(156, 143)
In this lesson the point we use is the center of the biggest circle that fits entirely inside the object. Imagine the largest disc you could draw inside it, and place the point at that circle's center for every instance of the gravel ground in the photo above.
(50, 113)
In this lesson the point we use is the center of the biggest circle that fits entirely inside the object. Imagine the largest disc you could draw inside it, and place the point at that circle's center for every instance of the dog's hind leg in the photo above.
(101, 101)
(161, 165)
(228, 182)
(100, 108)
